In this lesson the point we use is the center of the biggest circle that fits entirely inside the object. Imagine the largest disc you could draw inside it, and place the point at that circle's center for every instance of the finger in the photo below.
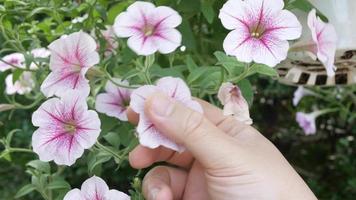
(132, 116)
(164, 183)
(196, 187)
(142, 157)
(201, 137)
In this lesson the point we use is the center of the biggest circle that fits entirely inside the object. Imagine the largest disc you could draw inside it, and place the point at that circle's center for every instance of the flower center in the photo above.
(257, 31)
(148, 30)
(70, 128)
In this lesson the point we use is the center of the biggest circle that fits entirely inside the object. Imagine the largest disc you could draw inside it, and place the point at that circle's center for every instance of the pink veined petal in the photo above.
(110, 87)
(16, 59)
(131, 22)
(139, 96)
(142, 45)
(68, 150)
(239, 43)
(40, 140)
(94, 188)
(325, 38)
(75, 50)
(232, 15)
(167, 40)
(116, 195)
(264, 7)
(60, 82)
(224, 94)
(111, 105)
(150, 137)
(127, 25)
(284, 26)
(48, 114)
(269, 50)
(74, 194)
(164, 17)
(88, 129)
(175, 88)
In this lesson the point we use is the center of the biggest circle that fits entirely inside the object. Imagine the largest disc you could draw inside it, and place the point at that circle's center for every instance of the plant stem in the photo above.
(108, 150)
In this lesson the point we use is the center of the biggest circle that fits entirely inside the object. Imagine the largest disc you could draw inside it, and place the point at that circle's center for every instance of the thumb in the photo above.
(208, 144)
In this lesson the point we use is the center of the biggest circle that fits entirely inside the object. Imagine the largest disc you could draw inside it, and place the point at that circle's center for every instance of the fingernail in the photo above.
(153, 193)
(162, 105)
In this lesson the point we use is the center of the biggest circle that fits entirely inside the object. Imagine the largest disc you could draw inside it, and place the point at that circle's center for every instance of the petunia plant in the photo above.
(71, 70)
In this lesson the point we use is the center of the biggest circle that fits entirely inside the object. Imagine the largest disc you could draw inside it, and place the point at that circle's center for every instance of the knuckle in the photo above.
(193, 123)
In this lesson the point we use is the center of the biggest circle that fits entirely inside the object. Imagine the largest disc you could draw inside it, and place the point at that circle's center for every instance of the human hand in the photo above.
(224, 159)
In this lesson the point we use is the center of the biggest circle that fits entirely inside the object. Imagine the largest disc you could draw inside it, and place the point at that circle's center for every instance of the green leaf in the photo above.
(188, 35)
(191, 65)
(113, 139)
(16, 75)
(25, 190)
(58, 184)
(231, 64)
(246, 90)
(40, 166)
(306, 6)
(98, 159)
(208, 11)
(262, 69)
(117, 9)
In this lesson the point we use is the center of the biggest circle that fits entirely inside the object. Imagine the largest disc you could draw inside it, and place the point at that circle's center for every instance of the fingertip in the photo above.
(132, 116)
(142, 157)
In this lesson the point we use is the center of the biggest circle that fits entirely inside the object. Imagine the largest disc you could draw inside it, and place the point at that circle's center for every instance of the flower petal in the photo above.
(116, 195)
(150, 137)
(16, 59)
(139, 96)
(175, 88)
(264, 7)
(238, 43)
(142, 45)
(94, 188)
(111, 105)
(284, 26)
(127, 25)
(74, 194)
(232, 14)
(60, 82)
(167, 40)
(165, 17)
(88, 129)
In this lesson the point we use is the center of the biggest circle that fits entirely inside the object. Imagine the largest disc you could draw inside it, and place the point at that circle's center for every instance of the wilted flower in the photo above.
(6, 107)
(149, 28)
(260, 30)
(66, 128)
(15, 59)
(95, 188)
(71, 57)
(115, 101)
(300, 93)
(23, 85)
(234, 103)
(307, 122)
(175, 88)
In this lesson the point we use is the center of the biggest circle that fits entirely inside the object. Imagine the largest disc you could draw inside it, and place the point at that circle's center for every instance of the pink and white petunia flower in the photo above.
(322, 44)
(23, 85)
(40, 53)
(115, 101)
(14, 59)
(71, 57)
(307, 122)
(260, 30)
(149, 28)
(234, 103)
(66, 128)
(175, 88)
(95, 188)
